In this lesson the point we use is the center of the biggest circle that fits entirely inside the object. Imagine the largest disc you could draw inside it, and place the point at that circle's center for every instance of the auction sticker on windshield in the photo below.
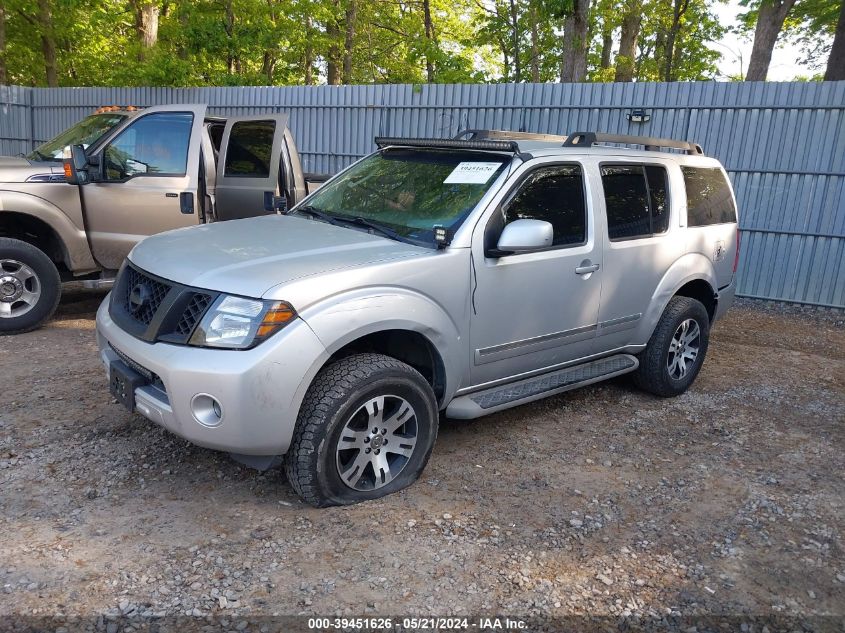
(471, 173)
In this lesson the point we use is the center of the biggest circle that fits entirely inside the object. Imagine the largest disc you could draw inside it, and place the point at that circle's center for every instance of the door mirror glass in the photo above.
(76, 166)
(525, 235)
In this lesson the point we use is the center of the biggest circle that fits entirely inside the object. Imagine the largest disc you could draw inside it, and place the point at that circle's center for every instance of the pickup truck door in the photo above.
(148, 181)
(248, 174)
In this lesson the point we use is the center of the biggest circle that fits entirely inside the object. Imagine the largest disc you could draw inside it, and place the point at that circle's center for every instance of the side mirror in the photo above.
(525, 236)
(76, 167)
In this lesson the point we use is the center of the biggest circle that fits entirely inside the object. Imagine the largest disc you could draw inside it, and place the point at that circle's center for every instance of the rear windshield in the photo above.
(411, 191)
(709, 198)
(87, 132)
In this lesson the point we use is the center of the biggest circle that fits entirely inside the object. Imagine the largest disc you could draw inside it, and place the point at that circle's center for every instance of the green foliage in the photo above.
(288, 42)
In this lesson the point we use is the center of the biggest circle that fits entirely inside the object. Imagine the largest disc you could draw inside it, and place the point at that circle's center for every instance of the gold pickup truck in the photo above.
(133, 172)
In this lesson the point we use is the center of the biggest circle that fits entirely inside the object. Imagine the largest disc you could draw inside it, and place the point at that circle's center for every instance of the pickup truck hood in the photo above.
(249, 257)
(19, 169)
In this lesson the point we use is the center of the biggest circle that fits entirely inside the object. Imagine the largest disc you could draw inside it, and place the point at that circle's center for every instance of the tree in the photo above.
(630, 32)
(4, 75)
(836, 61)
(770, 17)
(573, 67)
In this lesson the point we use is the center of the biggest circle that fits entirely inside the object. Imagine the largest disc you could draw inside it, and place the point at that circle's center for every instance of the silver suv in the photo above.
(458, 276)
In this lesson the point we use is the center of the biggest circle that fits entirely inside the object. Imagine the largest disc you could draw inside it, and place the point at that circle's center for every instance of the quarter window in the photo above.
(555, 195)
(250, 148)
(636, 199)
(155, 145)
(709, 198)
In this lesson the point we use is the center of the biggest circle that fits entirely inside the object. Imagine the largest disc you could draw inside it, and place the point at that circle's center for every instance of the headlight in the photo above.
(238, 323)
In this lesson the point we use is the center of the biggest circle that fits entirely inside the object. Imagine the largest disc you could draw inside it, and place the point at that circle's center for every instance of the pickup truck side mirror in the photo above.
(522, 236)
(76, 167)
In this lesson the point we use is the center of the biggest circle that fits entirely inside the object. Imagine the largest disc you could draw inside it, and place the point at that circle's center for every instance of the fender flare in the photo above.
(343, 318)
(73, 239)
(690, 267)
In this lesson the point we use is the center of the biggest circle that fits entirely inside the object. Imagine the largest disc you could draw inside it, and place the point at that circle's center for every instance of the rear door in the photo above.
(149, 178)
(248, 171)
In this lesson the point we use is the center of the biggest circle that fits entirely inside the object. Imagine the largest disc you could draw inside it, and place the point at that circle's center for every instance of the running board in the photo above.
(479, 403)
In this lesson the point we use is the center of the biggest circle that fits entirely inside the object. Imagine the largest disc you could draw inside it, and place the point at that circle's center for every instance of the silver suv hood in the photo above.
(248, 257)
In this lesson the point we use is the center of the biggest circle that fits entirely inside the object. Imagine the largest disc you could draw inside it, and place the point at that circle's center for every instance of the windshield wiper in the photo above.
(314, 212)
(378, 227)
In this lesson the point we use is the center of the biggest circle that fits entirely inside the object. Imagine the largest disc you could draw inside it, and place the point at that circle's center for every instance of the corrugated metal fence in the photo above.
(783, 144)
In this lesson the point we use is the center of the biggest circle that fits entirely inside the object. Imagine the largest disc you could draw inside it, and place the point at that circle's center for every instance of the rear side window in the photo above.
(709, 198)
(555, 195)
(250, 148)
(636, 199)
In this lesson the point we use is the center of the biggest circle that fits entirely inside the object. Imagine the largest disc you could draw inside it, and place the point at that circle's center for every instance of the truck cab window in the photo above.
(250, 149)
(154, 145)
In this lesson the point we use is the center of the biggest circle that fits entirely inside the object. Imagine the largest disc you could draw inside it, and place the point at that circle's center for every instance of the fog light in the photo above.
(207, 410)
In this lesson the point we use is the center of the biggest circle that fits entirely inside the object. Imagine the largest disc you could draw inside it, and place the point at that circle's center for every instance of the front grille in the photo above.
(142, 295)
(151, 376)
(193, 313)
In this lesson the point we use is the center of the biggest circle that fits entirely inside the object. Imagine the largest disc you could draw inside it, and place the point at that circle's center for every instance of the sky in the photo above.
(784, 66)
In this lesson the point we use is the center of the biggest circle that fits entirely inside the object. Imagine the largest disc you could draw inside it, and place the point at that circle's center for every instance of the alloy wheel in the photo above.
(683, 349)
(20, 288)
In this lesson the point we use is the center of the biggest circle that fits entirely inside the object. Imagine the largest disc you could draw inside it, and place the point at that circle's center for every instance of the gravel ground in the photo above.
(726, 501)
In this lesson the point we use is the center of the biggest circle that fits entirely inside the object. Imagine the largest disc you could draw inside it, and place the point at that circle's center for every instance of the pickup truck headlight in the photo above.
(239, 323)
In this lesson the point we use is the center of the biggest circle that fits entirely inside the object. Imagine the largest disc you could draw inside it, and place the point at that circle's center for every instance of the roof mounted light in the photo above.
(448, 143)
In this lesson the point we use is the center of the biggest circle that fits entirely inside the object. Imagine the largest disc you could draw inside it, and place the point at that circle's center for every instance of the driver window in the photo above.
(155, 145)
(555, 195)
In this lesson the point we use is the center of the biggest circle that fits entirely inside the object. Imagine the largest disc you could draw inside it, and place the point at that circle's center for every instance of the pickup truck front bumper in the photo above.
(259, 390)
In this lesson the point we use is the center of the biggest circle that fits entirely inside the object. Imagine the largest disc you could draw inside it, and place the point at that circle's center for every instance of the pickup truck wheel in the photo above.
(676, 350)
(366, 429)
(29, 287)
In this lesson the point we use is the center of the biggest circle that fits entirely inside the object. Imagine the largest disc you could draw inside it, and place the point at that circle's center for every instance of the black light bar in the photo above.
(582, 139)
(448, 143)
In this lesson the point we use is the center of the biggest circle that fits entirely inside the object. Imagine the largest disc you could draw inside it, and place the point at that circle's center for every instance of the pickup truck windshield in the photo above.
(87, 132)
(409, 191)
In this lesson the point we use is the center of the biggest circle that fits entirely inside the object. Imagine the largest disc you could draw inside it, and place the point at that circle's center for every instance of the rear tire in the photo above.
(676, 350)
(366, 429)
(30, 287)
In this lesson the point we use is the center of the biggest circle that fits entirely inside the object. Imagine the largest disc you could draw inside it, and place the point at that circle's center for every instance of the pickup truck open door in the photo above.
(249, 179)
(146, 182)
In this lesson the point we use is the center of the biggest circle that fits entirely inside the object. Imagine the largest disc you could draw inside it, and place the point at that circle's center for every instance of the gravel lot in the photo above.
(600, 502)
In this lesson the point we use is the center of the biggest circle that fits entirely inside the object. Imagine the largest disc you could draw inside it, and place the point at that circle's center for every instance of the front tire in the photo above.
(30, 287)
(366, 429)
(676, 350)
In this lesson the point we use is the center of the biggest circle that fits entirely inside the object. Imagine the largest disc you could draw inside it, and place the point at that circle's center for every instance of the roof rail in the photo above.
(479, 134)
(580, 139)
(449, 143)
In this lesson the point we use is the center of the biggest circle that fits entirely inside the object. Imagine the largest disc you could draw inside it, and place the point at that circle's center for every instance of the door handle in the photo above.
(586, 268)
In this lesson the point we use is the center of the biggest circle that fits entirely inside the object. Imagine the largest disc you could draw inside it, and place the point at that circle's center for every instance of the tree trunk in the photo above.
(48, 42)
(349, 43)
(573, 67)
(535, 43)
(268, 66)
(309, 52)
(678, 10)
(836, 62)
(333, 59)
(230, 33)
(606, 45)
(515, 38)
(146, 24)
(770, 17)
(4, 73)
(631, 21)
(431, 42)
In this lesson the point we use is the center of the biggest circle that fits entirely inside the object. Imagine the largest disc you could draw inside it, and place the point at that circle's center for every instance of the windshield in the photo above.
(408, 192)
(87, 132)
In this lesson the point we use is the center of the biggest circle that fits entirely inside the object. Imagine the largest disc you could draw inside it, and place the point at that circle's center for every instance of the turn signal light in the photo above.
(276, 317)
(68, 170)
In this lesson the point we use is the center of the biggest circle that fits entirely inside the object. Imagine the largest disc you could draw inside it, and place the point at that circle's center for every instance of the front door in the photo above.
(248, 169)
(533, 311)
(149, 177)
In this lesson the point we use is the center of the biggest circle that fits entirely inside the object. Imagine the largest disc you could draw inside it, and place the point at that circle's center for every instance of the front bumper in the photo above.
(260, 390)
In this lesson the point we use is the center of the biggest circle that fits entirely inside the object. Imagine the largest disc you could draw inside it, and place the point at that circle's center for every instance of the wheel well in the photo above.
(702, 291)
(31, 230)
(405, 345)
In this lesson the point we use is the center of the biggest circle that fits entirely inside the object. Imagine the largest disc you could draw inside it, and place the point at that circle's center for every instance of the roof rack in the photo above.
(449, 143)
(477, 134)
(580, 139)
